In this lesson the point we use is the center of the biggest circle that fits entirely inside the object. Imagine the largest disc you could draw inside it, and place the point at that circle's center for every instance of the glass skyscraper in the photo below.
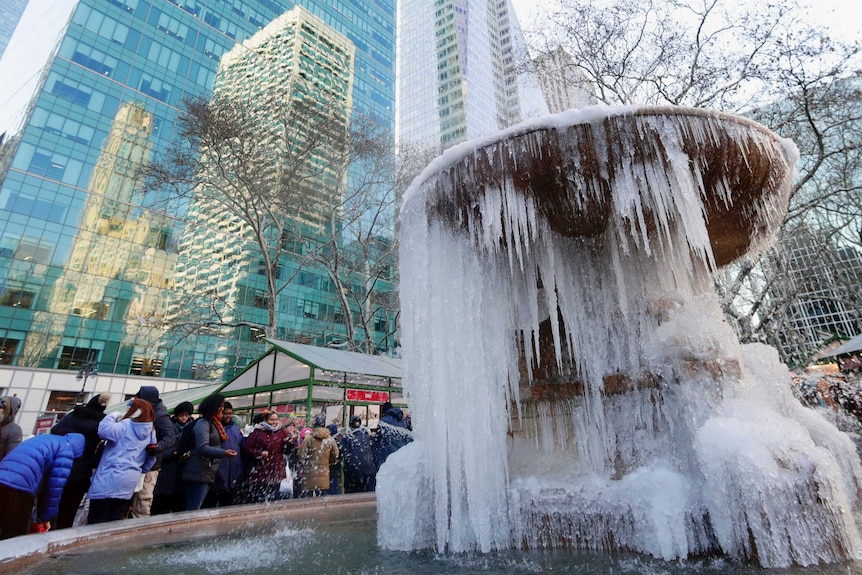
(462, 72)
(89, 265)
(10, 14)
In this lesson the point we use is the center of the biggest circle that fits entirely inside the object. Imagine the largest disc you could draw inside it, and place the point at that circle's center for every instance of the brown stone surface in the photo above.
(714, 367)
(572, 184)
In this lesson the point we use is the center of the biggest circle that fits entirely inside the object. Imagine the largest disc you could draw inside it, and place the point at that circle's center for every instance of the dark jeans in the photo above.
(70, 501)
(258, 493)
(17, 509)
(220, 498)
(358, 483)
(104, 510)
(195, 494)
(172, 503)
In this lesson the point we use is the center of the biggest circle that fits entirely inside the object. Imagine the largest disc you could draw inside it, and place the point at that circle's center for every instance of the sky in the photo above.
(844, 17)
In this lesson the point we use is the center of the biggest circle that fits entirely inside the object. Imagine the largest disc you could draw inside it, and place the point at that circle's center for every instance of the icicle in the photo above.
(662, 398)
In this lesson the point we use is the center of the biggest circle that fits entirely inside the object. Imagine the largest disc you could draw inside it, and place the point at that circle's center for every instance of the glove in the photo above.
(40, 527)
(153, 449)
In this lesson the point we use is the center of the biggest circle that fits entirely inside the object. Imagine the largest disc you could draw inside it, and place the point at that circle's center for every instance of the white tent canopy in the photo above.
(289, 362)
(171, 399)
(851, 346)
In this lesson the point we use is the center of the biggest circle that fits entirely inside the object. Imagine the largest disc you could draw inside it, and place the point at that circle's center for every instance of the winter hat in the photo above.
(355, 419)
(13, 406)
(319, 421)
(99, 402)
(150, 393)
(384, 408)
(184, 407)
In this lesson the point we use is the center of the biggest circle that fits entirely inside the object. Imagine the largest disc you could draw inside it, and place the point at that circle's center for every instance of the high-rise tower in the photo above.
(88, 262)
(459, 72)
(10, 14)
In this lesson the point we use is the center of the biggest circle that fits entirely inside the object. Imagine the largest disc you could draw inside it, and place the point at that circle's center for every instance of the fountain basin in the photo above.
(332, 537)
(571, 167)
(21, 553)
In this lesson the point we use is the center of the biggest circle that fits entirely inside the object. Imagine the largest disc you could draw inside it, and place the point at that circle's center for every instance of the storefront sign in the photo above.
(367, 395)
(44, 424)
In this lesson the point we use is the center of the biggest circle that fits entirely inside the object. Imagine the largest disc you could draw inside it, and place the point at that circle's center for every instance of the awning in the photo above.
(851, 346)
(171, 399)
(287, 362)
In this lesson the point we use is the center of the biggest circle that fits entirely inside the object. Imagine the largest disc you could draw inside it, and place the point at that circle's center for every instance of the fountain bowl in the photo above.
(570, 166)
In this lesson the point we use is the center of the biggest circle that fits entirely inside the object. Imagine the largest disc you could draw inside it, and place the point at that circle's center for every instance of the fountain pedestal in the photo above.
(571, 377)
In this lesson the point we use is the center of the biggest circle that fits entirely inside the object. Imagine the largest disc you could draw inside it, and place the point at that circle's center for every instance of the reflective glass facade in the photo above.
(89, 267)
(457, 71)
(10, 13)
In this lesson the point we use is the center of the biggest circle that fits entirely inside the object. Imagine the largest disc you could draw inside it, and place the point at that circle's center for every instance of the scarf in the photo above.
(221, 432)
(272, 428)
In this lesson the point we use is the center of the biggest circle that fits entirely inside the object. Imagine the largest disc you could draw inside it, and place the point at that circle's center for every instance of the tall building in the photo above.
(89, 264)
(460, 72)
(820, 294)
(10, 14)
(564, 86)
(287, 73)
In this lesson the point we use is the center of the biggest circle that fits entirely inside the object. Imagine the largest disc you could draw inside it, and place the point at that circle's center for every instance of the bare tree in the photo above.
(255, 187)
(760, 59)
(359, 251)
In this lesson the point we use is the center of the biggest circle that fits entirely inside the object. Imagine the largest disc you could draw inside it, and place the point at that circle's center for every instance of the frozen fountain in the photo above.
(572, 381)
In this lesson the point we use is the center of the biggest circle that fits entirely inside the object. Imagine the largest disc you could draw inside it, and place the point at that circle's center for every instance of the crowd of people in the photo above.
(145, 461)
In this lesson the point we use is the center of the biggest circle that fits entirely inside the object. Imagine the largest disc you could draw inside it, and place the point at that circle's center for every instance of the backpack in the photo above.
(186, 442)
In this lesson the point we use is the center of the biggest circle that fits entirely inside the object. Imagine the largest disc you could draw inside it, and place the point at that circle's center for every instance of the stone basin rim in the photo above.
(570, 162)
(464, 150)
(19, 553)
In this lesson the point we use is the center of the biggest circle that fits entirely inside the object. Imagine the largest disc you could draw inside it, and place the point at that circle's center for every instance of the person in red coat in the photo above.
(265, 448)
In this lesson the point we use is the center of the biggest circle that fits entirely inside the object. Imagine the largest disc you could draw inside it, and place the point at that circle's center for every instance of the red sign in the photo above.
(366, 395)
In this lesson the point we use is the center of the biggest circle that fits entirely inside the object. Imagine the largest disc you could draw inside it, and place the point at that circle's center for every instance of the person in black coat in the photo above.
(169, 494)
(84, 419)
(199, 472)
(358, 454)
(166, 441)
(392, 434)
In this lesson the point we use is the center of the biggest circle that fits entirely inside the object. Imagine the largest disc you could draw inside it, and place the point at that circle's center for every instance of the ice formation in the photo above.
(657, 432)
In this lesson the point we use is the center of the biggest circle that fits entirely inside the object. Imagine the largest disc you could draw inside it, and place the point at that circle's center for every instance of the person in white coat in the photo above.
(123, 462)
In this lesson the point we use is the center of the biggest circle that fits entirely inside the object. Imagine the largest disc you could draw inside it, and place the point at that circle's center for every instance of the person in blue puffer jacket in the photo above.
(39, 466)
(124, 461)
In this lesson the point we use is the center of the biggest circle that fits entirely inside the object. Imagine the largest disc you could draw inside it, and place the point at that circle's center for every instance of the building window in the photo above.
(261, 299)
(8, 347)
(51, 166)
(71, 93)
(261, 269)
(17, 298)
(146, 366)
(61, 401)
(76, 357)
(311, 309)
(158, 239)
(309, 279)
(380, 324)
(203, 371)
(93, 310)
